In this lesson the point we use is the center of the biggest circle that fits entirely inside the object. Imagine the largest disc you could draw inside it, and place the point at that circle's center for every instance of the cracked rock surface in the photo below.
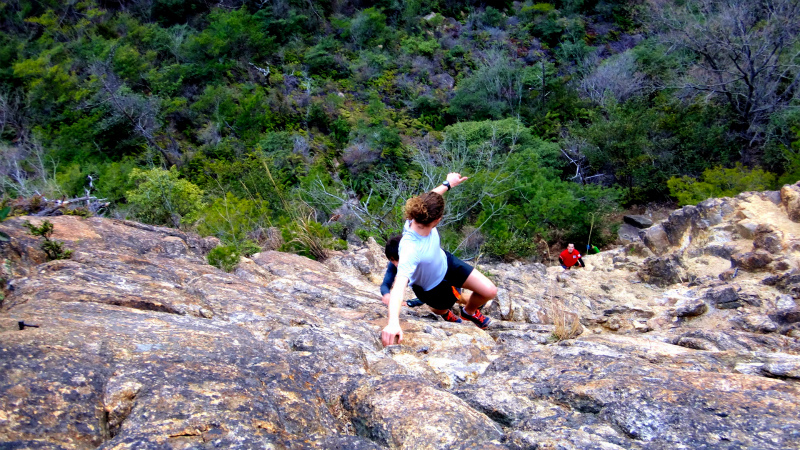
(142, 345)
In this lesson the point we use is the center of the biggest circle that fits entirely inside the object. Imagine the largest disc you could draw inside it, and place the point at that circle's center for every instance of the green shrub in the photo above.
(367, 26)
(508, 245)
(225, 257)
(719, 182)
(231, 219)
(249, 248)
(791, 157)
(161, 198)
(418, 46)
(53, 249)
(494, 91)
(3, 214)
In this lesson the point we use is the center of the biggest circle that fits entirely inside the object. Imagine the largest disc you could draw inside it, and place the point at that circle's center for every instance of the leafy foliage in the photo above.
(161, 198)
(719, 182)
(3, 214)
(558, 112)
(225, 257)
(233, 219)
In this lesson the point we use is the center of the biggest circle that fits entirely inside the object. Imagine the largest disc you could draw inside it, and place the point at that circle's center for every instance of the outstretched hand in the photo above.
(455, 178)
(389, 334)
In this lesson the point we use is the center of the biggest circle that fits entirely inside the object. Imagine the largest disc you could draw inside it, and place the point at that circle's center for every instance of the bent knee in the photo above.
(488, 291)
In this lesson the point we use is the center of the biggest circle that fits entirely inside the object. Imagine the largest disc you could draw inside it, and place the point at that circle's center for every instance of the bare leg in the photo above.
(482, 289)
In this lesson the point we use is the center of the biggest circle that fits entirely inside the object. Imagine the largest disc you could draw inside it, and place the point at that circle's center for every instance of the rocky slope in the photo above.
(689, 340)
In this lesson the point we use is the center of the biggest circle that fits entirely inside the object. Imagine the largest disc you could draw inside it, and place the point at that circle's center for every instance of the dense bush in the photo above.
(719, 182)
(558, 112)
(161, 198)
(225, 257)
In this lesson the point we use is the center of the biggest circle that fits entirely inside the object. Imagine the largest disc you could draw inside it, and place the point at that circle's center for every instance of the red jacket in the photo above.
(569, 259)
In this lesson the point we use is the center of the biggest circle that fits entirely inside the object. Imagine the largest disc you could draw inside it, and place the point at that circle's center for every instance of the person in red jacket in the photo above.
(570, 257)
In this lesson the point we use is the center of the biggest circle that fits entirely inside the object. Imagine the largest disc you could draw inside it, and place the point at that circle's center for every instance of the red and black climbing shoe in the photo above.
(478, 318)
(450, 317)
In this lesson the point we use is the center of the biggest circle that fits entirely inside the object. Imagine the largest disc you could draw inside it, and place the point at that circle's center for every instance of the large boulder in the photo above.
(790, 198)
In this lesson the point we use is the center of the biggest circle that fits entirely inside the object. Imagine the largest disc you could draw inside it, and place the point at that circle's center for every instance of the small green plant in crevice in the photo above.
(3, 214)
(53, 249)
(225, 257)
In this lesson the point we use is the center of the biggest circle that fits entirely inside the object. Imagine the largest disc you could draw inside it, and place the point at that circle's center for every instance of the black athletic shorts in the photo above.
(441, 296)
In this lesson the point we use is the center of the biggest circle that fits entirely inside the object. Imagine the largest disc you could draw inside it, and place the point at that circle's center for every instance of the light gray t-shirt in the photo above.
(421, 258)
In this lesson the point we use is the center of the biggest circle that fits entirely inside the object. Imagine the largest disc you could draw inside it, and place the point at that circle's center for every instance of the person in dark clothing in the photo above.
(570, 257)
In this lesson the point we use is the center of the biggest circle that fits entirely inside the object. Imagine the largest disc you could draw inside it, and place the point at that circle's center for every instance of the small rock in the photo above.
(663, 271)
(723, 297)
(756, 260)
(768, 238)
(638, 221)
(751, 299)
(746, 228)
(690, 307)
(756, 323)
(779, 266)
(613, 324)
(729, 274)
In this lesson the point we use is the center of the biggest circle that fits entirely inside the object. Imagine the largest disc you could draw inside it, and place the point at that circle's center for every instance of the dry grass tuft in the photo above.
(566, 322)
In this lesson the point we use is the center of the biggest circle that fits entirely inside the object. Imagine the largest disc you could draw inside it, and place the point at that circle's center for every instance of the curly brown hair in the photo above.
(425, 208)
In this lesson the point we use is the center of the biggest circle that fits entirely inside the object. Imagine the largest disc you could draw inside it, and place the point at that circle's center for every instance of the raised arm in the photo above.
(392, 329)
(454, 179)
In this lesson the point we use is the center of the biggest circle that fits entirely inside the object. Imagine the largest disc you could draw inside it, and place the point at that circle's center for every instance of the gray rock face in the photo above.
(528, 392)
(142, 345)
(395, 424)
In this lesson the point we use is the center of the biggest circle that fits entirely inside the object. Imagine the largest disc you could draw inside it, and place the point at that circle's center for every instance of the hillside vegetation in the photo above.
(321, 118)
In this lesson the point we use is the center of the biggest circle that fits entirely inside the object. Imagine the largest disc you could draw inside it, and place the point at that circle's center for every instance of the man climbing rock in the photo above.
(570, 257)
